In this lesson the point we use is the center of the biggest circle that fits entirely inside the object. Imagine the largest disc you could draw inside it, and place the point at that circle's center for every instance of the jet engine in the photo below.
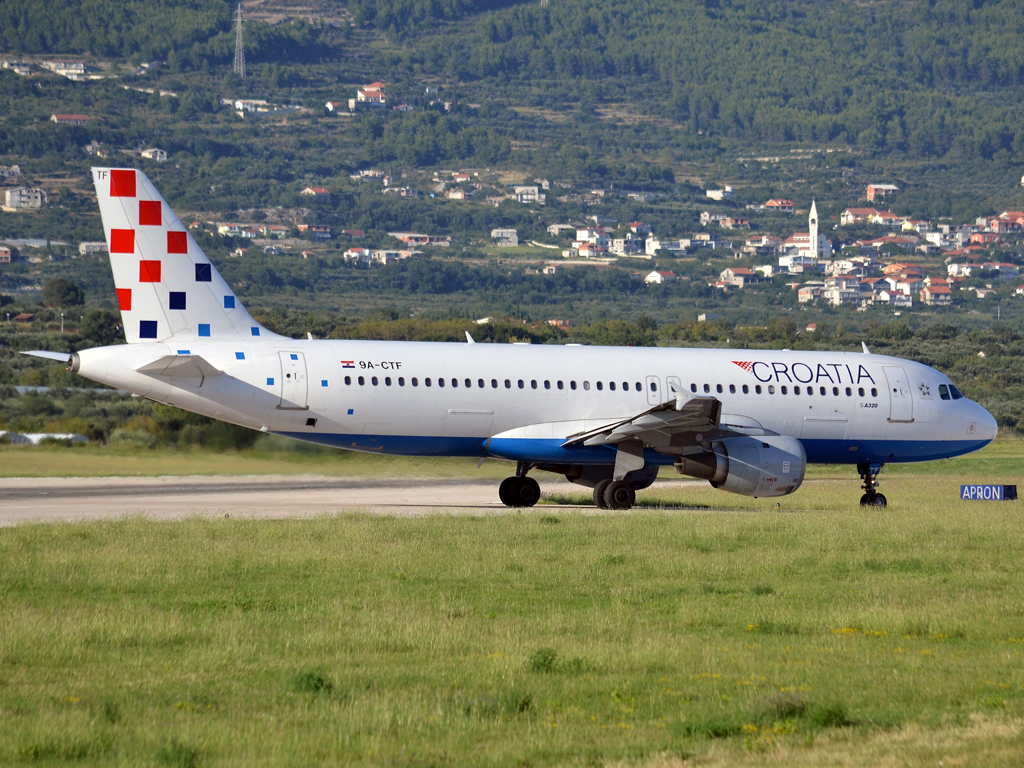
(750, 466)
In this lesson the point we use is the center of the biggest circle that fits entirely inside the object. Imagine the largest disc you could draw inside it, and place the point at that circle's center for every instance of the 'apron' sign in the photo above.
(988, 492)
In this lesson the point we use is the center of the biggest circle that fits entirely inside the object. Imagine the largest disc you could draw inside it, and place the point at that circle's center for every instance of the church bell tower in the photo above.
(812, 223)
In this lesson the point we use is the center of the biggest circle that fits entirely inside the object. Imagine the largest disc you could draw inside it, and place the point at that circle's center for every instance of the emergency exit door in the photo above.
(901, 402)
(653, 390)
(294, 387)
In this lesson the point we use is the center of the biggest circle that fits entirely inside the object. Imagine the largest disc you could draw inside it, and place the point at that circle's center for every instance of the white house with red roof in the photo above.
(856, 216)
(887, 218)
(780, 205)
(659, 276)
(317, 193)
(937, 296)
(371, 95)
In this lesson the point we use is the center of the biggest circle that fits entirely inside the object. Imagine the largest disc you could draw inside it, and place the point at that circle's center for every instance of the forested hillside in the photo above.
(917, 77)
(188, 33)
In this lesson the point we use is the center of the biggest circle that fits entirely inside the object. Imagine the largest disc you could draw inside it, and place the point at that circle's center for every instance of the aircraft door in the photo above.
(901, 401)
(653, 390)
(294, 387)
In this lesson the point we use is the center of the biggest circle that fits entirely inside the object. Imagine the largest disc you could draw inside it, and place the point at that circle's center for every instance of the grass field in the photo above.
(819, 635)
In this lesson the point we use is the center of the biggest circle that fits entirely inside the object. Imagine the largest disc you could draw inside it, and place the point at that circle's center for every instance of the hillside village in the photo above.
(864, 256)
(913, 263)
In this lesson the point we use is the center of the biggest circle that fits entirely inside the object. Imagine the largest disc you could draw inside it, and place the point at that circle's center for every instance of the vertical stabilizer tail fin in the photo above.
(166, 286)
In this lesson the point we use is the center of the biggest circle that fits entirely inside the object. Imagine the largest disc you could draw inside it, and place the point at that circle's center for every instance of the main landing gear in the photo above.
(869, 474)
(519, 490)
(614, 494)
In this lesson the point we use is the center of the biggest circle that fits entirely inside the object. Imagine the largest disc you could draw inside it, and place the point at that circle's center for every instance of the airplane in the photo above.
(607, 418)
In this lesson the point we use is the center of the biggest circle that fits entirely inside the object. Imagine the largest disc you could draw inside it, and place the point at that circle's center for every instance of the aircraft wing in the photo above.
(180, 367)
(682, 420)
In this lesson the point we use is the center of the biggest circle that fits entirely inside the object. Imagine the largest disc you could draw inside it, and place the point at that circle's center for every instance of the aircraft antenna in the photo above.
(239, 45)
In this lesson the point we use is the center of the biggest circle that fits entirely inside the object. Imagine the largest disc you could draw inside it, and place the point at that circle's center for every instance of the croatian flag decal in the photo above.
(348, 364)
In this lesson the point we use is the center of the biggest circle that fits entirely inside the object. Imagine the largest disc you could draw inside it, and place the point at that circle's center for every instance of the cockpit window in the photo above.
(956, 393)
(943, 392)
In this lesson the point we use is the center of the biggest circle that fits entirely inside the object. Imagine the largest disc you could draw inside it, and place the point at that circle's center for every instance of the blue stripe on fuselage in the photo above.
(552, 452)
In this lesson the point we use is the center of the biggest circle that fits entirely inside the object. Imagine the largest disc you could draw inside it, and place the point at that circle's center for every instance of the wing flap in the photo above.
(657, 426)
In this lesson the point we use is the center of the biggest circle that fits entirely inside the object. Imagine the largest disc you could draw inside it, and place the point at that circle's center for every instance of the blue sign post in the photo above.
(988, 492)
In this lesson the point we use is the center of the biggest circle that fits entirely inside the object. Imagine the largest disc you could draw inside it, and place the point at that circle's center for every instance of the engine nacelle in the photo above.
(750, 466)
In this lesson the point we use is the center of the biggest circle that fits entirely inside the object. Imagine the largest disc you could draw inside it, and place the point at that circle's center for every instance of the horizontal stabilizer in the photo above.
(60, 356)
(180, 367)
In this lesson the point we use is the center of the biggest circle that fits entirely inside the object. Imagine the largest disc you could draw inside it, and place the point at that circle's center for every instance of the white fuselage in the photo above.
(521, 401)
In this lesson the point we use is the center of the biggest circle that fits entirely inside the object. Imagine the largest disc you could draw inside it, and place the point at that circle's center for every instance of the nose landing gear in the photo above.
(519, 490)
(869, 474)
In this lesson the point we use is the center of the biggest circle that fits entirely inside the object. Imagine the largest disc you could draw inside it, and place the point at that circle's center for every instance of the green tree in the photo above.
(101, 326)
(61, 292)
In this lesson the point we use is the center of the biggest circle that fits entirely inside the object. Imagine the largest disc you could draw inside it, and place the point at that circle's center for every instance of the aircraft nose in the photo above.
(985, 426)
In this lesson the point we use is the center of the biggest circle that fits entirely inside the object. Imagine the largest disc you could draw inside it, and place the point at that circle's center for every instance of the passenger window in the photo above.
(746, 390)
(600, 386)
(821, 391)
(654, 386)
(707, 388)
(415, 381)
(874, 392)
(783, 390)
(572, 385)
(494, 383)
(638, 387)
(693, 387)
(796, 390)
(468, 383)
(849, 392)
(362, 381)
(586, 385)
(771, 389)
(348, 381)
(427, 381)
(757, 388)
(732, 389)
(401, 381)
(440, 382)
(718, 388)
(387, 381)
(561, 386)
(373, 380)
(547, 384)
(611, 385)
(625, 386)
(455, 382)
(522, 384)
(479, 383)
(835, 391)
(508, 384)
(533, 383)
(943, 392)
(860, 391)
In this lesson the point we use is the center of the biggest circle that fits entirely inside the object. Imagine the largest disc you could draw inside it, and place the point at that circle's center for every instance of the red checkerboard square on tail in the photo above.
(149, 213)
(122, 183)
(149, 271)
(122, 241)
(124, 299)
(177, 242)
